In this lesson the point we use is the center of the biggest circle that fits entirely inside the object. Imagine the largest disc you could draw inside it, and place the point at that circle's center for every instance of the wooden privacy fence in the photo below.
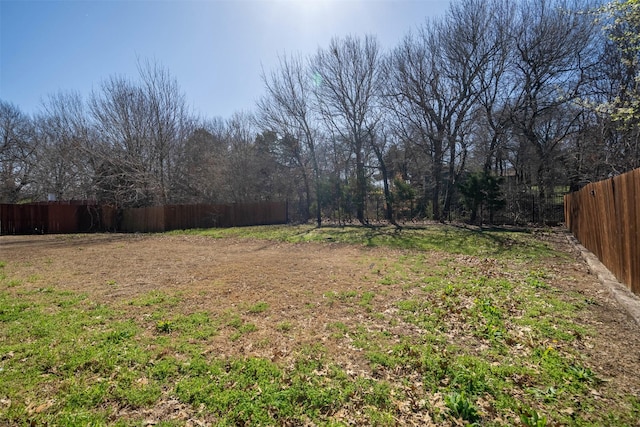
(63, 218)
(605, 217)
(179, 217)
(56, 218)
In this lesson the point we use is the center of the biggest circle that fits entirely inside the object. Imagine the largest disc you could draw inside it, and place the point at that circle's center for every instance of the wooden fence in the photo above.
(180, 217)
(60, 218)
(55, 218)
(605, 217)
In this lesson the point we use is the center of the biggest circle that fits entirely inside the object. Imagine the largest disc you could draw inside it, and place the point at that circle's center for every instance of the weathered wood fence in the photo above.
(605, 217)
(70, 217)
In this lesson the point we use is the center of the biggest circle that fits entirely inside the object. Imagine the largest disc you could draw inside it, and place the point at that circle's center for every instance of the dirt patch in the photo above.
(296, 281)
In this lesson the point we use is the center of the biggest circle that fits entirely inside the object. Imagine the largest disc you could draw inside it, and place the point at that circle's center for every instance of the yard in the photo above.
(283, 325)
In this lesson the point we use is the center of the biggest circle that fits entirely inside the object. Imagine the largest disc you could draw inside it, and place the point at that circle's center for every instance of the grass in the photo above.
(451, 239)
(259, 307)
(492, 346)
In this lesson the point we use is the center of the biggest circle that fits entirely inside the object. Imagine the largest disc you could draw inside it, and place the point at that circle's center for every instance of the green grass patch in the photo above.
(157, 298)
(285, 326)
(457, 240)
(259, 307)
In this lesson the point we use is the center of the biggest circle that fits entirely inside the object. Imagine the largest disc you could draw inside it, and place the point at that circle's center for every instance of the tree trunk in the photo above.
(451, 185)
(385, 182)
(316, 173)
(543, 174)
(307, 190)
(361, 188)
(437, 180)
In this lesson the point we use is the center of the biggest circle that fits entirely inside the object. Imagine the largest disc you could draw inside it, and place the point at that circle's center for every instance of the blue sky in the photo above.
(214, 48)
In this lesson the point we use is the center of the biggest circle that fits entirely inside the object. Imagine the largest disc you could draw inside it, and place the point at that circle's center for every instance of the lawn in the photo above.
(293, 325)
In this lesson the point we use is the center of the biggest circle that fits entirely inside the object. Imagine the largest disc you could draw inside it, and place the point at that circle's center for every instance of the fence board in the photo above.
(605, 217)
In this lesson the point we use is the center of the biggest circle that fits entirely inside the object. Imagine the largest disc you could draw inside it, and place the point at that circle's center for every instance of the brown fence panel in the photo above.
(242, 214)
(23, 219)
(56, 217)
(87, 217)
(209, 216)
(274, 213)
(153, 219)
(634, 235)
(172, 217)
(129, 220)
(91, 218)
(143, 220)
(605, 217)
(181, 217)
(223, 215)
(108, 218)
(621, 191)
(62, 219)
(630, 232)
(264, 213)
(229, 215)
(7, 220)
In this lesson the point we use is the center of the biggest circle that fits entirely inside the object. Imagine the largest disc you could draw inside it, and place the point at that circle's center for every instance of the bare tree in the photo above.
(169, 126)
(287, 109)
(243, 182)
(553, 51)
(201, 168)
(123, 174)
(380, 145)
(496, 87)
(65, 166)
(436, 80)
(142, 128)
(17, 149)
(348, 77)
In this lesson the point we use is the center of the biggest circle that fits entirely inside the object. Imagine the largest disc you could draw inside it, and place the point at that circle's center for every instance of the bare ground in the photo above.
(218, 275)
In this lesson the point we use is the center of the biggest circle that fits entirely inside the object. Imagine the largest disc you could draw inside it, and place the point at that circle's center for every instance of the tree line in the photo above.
(539, 94)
